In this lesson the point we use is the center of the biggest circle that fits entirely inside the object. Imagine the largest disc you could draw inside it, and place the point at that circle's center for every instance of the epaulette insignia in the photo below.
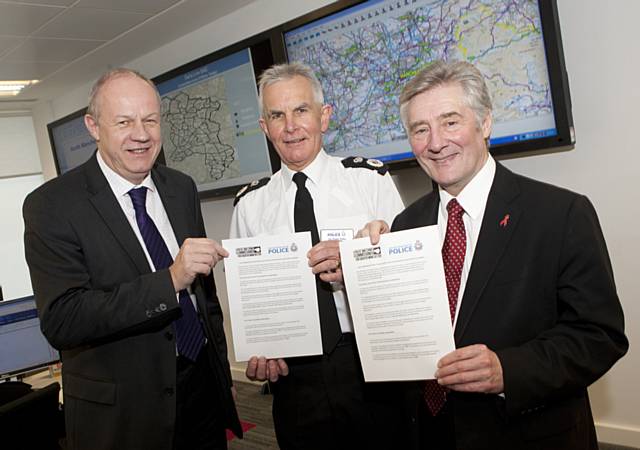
(365, 163)
(256, 184)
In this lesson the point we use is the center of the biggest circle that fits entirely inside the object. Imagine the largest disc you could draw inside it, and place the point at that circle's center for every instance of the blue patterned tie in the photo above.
(189, 335)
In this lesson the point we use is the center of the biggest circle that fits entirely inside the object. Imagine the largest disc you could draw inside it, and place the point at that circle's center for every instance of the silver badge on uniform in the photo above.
(241, 191)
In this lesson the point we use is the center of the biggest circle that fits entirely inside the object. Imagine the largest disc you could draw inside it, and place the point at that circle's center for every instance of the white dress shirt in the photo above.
(155, 209)
(473, 199)
(343, 199)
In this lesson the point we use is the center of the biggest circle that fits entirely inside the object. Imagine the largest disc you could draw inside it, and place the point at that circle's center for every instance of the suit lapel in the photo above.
(182, 226)
(500, 220)
(176, 212)
(431, 210)
(429, 214)
(109, 209)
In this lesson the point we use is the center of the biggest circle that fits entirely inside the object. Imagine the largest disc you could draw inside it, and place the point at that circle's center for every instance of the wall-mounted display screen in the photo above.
(71, 142)
(365, 53)
(210, 119)
(23, 347)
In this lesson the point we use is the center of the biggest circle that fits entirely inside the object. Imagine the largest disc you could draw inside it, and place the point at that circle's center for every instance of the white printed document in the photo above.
(399, 305)
(272, 297)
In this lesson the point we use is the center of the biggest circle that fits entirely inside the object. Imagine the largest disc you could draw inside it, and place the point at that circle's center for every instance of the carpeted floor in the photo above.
(255, 409)
(615, 447)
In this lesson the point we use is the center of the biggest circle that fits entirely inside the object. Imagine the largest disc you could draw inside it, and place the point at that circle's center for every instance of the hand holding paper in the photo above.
(272, 297)
(398, 301)
(196, 256)
(262, 369)
(324, 259)
(373, 230)
(474, 368)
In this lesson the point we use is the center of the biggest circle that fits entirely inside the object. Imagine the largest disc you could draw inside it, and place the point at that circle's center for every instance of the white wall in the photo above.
(14, 274)
(42, 115)
(20, 173)
(599, 43)
(18, 149)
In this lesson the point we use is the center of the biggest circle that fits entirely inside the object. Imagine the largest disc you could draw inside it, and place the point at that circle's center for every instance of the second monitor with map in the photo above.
(210, 125)
(364, 53)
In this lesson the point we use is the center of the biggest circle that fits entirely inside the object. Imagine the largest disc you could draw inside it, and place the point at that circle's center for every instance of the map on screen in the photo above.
(210, 123)
(365, 54)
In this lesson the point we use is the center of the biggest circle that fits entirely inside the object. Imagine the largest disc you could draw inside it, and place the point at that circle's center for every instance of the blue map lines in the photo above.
(364, 55)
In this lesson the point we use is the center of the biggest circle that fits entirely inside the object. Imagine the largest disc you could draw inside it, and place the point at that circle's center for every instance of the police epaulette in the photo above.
(256, 184)
(365, 163)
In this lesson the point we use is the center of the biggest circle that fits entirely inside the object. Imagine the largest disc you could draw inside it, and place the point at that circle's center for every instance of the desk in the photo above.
(45, 378)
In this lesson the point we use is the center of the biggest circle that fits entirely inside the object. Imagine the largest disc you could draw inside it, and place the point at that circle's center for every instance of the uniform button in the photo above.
(169, 336)
(168, 392)
(148, 313)
(163, 306)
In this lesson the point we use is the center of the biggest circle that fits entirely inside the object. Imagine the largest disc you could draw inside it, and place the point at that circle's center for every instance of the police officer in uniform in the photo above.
(319, 401)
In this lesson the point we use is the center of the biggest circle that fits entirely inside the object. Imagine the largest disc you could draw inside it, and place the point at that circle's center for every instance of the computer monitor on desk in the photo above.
(23, 347)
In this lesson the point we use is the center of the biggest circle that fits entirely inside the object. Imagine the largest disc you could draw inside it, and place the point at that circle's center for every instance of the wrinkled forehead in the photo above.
(129, 92)
(291, 91)
(439, 101)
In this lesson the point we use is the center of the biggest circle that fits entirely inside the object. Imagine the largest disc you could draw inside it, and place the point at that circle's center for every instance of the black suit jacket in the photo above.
(541, 294)
(110, 315)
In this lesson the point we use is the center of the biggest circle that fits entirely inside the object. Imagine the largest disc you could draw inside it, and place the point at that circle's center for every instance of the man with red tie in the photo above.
(531, 292)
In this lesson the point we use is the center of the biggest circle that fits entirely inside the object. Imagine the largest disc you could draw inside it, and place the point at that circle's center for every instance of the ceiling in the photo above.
(66, 43)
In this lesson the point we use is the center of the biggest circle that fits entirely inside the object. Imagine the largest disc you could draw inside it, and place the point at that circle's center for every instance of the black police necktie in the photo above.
(305, 220)
(189, 334)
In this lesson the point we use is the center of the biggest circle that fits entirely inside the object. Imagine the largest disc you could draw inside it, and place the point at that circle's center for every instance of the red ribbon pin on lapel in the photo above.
(505, 221)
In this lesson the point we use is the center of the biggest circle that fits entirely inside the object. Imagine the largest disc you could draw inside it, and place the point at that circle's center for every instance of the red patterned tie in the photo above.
(453, 251)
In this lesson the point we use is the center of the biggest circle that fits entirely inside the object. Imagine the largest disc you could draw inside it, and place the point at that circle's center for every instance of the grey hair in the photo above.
(93, 109)
(440, 73)
(282, 72)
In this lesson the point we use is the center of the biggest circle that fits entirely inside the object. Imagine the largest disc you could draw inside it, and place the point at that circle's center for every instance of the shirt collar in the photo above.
(473, 196)
(119, 185)
(313, 171)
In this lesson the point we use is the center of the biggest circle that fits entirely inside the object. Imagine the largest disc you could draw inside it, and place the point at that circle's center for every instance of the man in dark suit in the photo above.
(121, 271)
(530, 285)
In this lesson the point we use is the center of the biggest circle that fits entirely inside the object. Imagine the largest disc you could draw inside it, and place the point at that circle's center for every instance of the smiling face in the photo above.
(446, 138)
(127, 129)
(294, 121)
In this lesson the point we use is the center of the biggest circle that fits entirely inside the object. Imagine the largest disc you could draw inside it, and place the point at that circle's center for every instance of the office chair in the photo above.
(32, 421)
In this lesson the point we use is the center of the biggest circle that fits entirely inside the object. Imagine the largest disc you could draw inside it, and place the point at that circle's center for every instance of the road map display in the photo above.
(365, 54)
(210, 124)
